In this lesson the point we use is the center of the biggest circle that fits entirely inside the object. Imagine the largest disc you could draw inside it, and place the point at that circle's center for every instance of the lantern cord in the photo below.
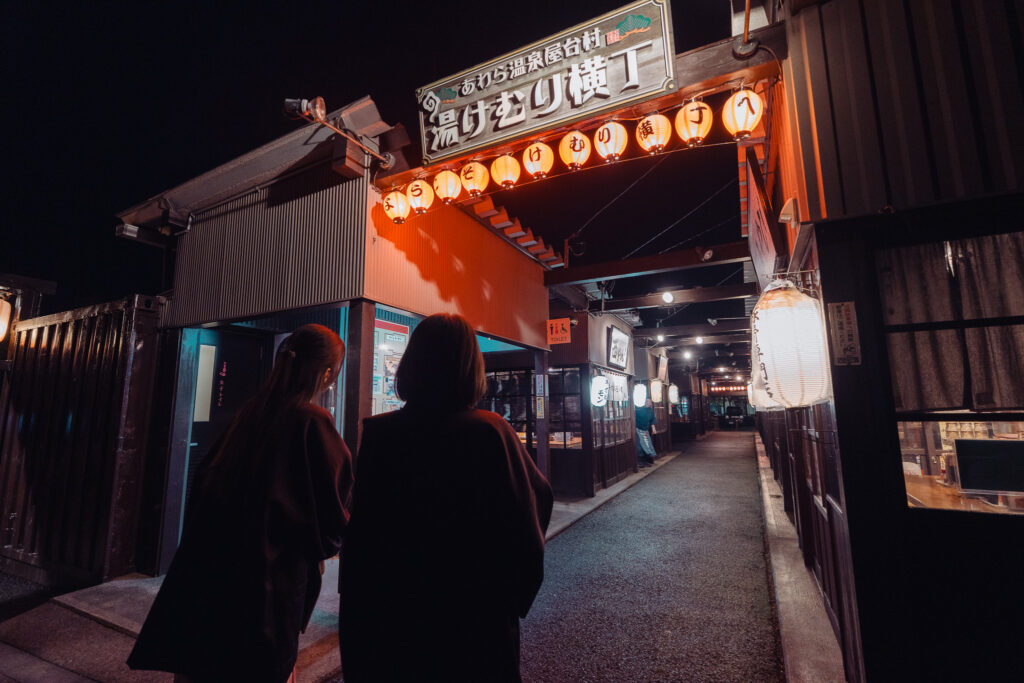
(616, 198)
(680, 220)
(696, 235)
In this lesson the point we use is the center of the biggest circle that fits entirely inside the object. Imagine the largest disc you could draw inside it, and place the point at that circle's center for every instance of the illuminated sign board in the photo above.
(615, 60)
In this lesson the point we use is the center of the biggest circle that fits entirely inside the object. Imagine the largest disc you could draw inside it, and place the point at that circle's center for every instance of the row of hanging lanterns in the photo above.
(788, 349)
(657, 387)
(741, 114)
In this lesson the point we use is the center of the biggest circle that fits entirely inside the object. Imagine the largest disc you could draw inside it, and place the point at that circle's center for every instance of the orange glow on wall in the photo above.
(574, 149)
(5, 317)
(653, 133)
(538, 159)
(505, 171)
(420, 195)
(610, 140)
(474, 177)
(693, 122)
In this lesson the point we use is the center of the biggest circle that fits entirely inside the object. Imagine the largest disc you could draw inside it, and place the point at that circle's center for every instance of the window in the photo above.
(564, 403)
(613, 422)
(510, 394)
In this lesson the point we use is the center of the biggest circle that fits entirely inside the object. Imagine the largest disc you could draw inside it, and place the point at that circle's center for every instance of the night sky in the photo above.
(108, 104)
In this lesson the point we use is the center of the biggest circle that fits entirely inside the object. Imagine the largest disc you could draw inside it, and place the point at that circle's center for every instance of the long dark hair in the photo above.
(300, 374)
(442, 368)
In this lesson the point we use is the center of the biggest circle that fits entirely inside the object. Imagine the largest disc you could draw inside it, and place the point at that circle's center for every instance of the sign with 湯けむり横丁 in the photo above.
(618, 59)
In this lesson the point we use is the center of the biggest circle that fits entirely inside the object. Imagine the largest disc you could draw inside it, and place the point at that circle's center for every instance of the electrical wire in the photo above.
(680, 220)
(696, 235)
(617, 197)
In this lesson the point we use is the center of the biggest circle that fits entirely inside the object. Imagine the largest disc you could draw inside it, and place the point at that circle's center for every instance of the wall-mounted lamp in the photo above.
(315, 110)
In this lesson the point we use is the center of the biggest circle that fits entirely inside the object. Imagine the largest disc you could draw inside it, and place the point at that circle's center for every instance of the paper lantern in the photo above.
(653, 133)
(474, 177)
(693, 122)
(656, 390)
(673, 394)
(639, 395)
(505, 171)
(610, 141)
(447, 186)
(538, 160)
(396, 206)
(599, 390)
(420, 195)
(742, 112)
(5, 317)
(788, 341)
(574, 149)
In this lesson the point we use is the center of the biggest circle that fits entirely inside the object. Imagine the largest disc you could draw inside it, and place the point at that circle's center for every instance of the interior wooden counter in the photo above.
(927, 492)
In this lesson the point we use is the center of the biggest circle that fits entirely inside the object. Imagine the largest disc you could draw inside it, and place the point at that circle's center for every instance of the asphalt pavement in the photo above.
(668, 581)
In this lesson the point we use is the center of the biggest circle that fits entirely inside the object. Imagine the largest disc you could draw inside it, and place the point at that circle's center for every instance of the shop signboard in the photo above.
(618, 59)
(767, 245)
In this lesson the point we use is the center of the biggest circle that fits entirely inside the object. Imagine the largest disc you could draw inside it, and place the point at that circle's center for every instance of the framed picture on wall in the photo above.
(618, 347)
(663, 368)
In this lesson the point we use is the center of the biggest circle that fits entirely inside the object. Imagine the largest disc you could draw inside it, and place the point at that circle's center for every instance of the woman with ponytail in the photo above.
(269, 504)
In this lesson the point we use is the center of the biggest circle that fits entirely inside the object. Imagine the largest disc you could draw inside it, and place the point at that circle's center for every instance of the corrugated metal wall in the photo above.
(902, 103)
(296, 243)
(75, 413)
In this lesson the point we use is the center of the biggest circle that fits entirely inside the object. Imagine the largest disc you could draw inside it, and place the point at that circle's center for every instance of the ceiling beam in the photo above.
(684, 259)
(694, 295)
(702, 330)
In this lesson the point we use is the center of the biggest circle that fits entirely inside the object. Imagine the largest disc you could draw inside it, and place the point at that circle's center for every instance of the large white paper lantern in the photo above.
(673, 394)
(639, 395)
(788, 335)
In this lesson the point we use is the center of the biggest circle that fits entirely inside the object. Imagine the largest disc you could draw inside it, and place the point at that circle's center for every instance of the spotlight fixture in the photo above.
(699, 340)
(315, 110)
(667, 297)
(660, 337)
(687, 355)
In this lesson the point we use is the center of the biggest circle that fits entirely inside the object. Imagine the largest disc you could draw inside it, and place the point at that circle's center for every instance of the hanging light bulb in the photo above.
(639, 395)
(447, 186)
(538, 159)
(742, 112)
(667, 297)
(788, 332)
(699, 340)
(653, 133)
(687, 355)
(574, 149)
(505, 171)
(610, 141)
(693, 122)
(474, 178)
(396, 206)
(420, 195)
(660, 337)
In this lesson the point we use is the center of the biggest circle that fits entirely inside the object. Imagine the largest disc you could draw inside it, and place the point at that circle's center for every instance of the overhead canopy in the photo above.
(300, 148)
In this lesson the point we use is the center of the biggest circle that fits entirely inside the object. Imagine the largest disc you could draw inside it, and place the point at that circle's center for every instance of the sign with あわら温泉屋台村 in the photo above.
(615, 60)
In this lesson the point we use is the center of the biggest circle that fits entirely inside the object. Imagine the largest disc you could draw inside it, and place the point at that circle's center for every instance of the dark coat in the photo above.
(445, 550)
(246, 576)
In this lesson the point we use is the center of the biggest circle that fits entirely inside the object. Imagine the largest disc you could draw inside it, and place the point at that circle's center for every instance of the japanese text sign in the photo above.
(607, 63)
(558, 331)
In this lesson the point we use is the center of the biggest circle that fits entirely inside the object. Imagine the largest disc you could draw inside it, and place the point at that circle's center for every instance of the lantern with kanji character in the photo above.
(474, 178)
(610, 141)
(505, 171)
(574, 149)
(693, 122)
(396, 206)
(538, 159)
(653, 132)
(420, 195)
(447, 186)
(742, 112)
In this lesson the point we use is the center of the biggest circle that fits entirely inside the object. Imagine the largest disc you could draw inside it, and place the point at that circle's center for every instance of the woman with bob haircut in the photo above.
(268, 506)
(445, 550)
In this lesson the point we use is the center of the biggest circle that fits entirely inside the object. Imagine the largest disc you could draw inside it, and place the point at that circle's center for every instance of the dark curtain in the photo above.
(969, 279)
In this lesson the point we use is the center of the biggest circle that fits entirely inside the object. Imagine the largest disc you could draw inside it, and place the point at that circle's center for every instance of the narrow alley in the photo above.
(666, 582)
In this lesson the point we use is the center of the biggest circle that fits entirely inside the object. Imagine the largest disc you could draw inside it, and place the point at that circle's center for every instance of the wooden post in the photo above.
(540, 387)
(358, 371)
